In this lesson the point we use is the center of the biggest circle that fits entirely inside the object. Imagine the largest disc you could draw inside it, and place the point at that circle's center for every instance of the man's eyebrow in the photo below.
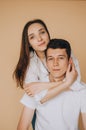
(62, 55)
(58, 55)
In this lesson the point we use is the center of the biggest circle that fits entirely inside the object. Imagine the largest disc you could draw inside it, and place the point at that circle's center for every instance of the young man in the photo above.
(61, 112)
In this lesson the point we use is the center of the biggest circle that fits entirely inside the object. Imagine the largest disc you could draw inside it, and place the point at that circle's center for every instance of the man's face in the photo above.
(57, 62)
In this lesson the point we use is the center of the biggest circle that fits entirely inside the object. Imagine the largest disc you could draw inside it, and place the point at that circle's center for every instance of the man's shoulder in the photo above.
(82, 91)
(83, 86)
(78, 85)
(79, 90)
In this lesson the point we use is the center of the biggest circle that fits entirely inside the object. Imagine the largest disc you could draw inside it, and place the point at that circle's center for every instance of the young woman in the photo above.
(31, 67)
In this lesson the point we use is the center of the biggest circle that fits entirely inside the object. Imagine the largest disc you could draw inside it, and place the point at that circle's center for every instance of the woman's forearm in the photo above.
(55, 91)
(33, 88)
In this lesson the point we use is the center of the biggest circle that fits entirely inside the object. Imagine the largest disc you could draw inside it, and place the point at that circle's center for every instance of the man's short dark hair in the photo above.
(61, 44)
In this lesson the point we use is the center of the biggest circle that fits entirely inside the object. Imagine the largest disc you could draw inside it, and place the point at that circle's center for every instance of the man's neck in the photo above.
(53, 79)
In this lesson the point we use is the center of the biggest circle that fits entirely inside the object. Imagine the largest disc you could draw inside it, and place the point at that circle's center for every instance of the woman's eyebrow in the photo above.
(38, 30)
(31, 34)
(41, 29)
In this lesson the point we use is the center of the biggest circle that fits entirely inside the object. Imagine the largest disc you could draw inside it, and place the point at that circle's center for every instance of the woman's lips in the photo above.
(41, 44)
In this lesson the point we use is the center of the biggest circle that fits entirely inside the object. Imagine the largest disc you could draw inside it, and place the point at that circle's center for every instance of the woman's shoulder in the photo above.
(33, 57)
(33, 61)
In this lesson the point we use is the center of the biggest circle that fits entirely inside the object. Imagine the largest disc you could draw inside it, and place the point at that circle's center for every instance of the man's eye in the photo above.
(61, 57)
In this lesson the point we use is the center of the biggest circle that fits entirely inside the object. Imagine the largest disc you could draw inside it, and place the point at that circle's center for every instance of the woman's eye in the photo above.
(42, 32)
(50, 59)
(31, 37)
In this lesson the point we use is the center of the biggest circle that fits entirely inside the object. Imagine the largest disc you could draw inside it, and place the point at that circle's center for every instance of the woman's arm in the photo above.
(55, 91)
(35, 87)
(25, 118)
(54, 88)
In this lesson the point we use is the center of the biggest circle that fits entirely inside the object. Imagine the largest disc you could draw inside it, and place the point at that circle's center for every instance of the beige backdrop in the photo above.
(65, 19)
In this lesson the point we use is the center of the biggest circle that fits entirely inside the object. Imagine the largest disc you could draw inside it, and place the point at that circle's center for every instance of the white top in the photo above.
(59, 113)
(36, 71)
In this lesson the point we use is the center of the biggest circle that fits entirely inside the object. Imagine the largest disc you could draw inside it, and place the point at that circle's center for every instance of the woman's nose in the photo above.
(39, 38)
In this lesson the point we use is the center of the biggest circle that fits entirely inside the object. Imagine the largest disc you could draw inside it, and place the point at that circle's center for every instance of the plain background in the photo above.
(64, 19)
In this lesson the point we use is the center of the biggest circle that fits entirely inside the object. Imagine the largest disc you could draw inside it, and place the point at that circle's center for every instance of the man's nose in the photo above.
(55, 62)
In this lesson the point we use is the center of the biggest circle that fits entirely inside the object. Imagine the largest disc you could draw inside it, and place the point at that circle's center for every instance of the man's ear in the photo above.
(47, 65)
(70, 60)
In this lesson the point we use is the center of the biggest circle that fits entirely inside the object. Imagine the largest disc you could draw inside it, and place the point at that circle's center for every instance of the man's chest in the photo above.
(67, 104)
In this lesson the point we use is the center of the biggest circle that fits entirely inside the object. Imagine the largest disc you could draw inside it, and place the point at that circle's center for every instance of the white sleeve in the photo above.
(28, 101)
(83, 101)
(38, 97)
(76, 66)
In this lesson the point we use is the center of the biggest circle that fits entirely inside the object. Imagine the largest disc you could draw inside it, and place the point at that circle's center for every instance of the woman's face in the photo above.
(38, 37)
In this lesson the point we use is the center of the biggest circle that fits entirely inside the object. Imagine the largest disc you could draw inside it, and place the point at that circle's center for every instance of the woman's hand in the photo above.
(33, 88)
(71, 74)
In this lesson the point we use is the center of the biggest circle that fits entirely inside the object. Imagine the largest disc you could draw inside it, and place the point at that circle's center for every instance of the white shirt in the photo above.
(59, 113)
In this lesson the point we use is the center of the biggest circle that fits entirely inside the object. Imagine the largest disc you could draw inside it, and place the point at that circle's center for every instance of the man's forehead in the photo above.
(56, 52)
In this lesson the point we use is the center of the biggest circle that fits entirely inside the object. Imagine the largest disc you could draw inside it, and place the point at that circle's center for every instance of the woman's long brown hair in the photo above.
(24, 58)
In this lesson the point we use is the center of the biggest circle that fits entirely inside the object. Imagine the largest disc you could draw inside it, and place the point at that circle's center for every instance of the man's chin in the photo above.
(58, 77)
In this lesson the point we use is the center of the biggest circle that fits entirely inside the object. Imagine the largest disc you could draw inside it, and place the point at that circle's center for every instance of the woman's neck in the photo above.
(41, 55)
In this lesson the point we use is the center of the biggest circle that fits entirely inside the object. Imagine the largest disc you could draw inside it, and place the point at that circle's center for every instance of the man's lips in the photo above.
(56, 69)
